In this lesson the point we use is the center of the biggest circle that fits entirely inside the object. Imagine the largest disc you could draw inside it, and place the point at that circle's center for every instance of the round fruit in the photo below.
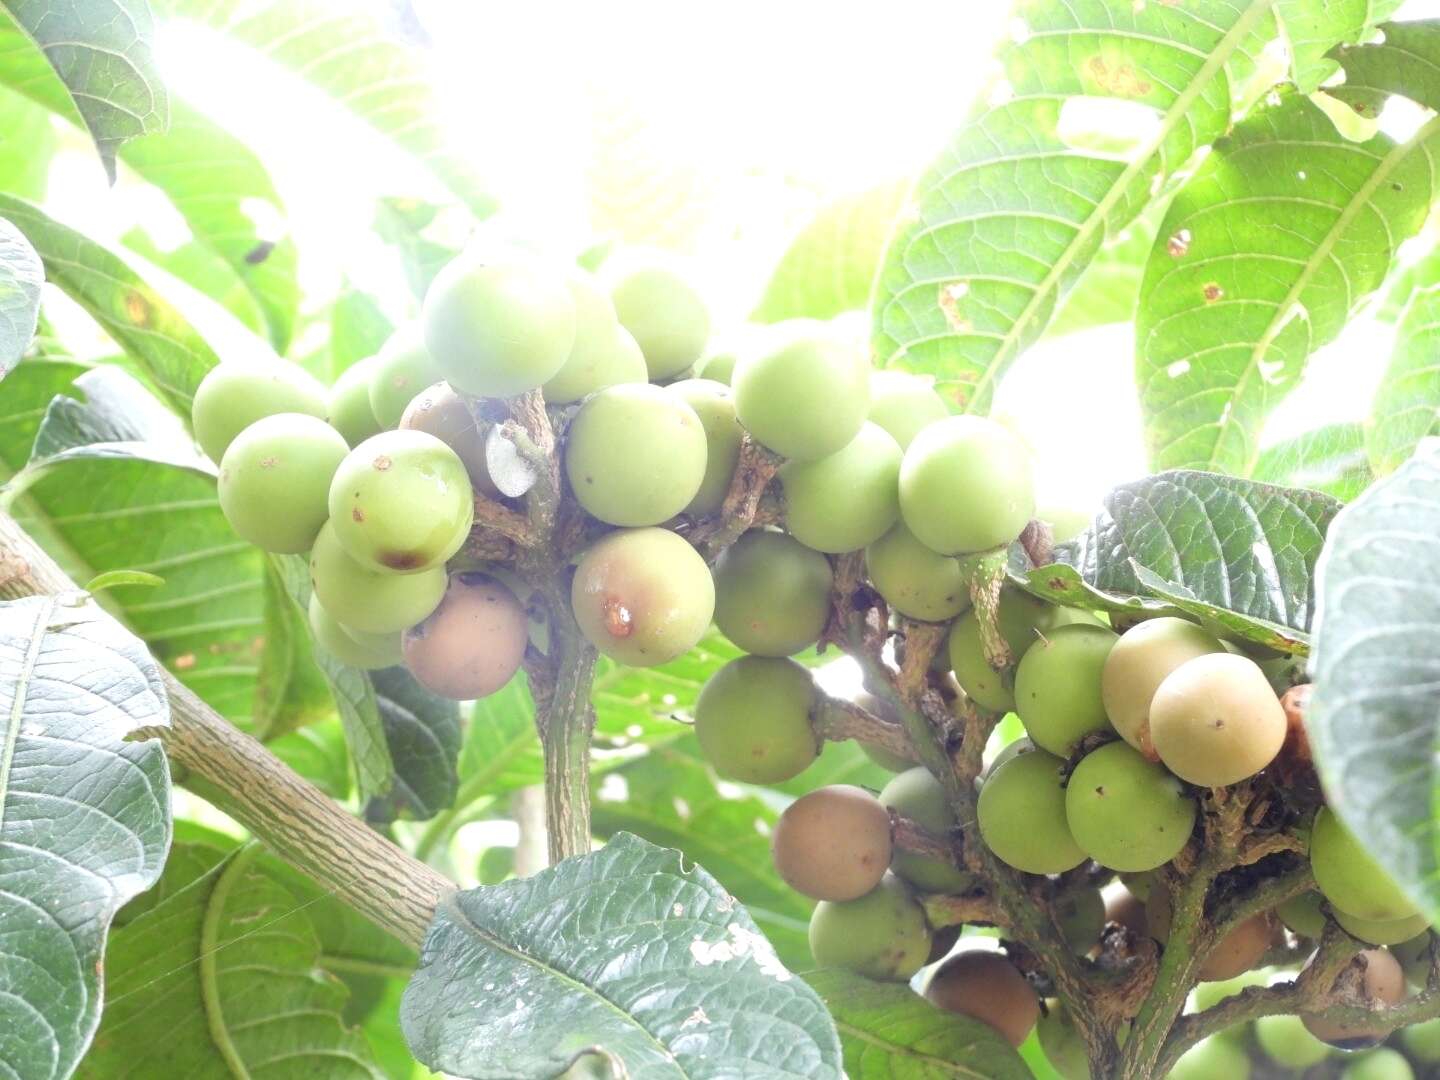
(1414, 957)
(1385, 932)
(1382, 981)
(366, 599)
(715, 407)
(753, 720)
(1239, 950)
(986, 986)
(902, 404)
(401, 501)
(1080, 912)
(441, 412)
(368, 651)
(914, 580)
(275, 478)
(719, 366)
(1302, 914)
(1286, 1042)
(1022, 619)
(1022, 745)
(1422, 1040)
(666, 316)
(498, 329)
(1216, 721)
(1062, 1043)
(1142, 658)
(1022, 816)
(772, 594)
(844, 501)
(882, 935)
(1211, 1059)
(603, 353)
(1382, 1064)
(832, 844)
(1350, 877)
(1139, 883)
(1127, 813)
(1209, 994)
(917, 795)
(1065, 523)
(635, 455)
(965, 485)
(350, 411)
(1057, 686)
(470, 645)
(403, 368)
(643, 596)
(805, 400)
(231, 397)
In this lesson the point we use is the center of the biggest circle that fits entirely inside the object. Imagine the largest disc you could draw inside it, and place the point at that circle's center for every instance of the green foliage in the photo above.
(21, 276)
(422, 731)
(1314, 30)
(1331, 459)
(1407, 400)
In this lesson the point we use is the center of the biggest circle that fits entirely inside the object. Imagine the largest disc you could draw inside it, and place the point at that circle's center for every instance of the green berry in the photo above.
(643, 596)
(1350, 877)
(1215, 720)
(715, 406)
(1287, 1043)
(1414, 957)
(1125, 812)
(1065, 523)
(498, 329)
(882, 935)
(1422, 1040)
(440, 411)
(667, 317)
(370, 600)
(401, 501)
(914, 580)
(965, 485)
(349, 408)
(1081, 913)
(753, 720)
(353, 647)
(806, 399)
(1382, 1064)
(1057, 686)
(772, 594)
(1022, 619)
(1212, 1059)
(1302, 914)
(847, 500)
(231, 397)
(1062, 1043)
(902, 404)
(1142, 658)
(1383, 932)
(403, 368)
(472, 644)
(719, 366)
(917, 795)
(275, 478)
(1022, 815)
(604, 353)
(635, 455)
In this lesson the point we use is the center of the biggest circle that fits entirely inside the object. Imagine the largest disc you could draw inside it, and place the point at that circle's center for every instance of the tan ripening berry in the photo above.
(987, 987)
(1215, 720)
(471, 644)
(833, 844)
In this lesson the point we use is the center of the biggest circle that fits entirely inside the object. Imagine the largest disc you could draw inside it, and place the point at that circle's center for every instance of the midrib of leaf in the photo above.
(865, 1036)
(17, 708)
(210, 949)
(1097, 218)
(1353, 208)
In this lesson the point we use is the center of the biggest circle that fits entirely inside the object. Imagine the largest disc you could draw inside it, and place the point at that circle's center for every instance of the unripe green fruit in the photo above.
(902, 404)
(1414, 957)
(1209, 994)
(1211, 1059)
(890, 762)
(753, 720)
(275, 480)
(1386, 932)
(846, 500)
(1065, 523)
(719, 366)
(1139, 883)
(1286, 1042)
(1383, 982)
(965, 485)
(914, 580)
(1022, 619)
(772, 594)
(667, 317)
(987, 987)
(715, 406)
(1022, 816)
(1422, 1041)
(806, 399)
(1022, 745)
(1062, 1043)
(401, 501)
(368, 651)
(917, 795)
(1127, 813)
(1302, 915)
(349, 407)
(1081, 913)
(1142, 658)
(366, 599)
(832, 844)
(403, 368)
(1350, 877)
(231, 397)
(498, 329)
(1216, 721)
(604, 353)
(1382, 1064)
(470, 645)
(882, 935)
(635, 455)
(643, 596)
(1057, 686)
(440, 411)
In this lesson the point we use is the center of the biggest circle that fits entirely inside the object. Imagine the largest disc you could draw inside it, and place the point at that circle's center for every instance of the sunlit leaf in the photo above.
(423, 732)
(21, 276)
(1406, 407)
(1329, 459)
(1313, 29)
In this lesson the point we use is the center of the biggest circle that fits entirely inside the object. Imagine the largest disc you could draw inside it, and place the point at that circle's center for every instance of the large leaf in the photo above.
(423, 732)
(1329, 459)
(219, 978)
(625, 949)
(103, 50)
(1110, 286)
(21, 276)
(84, 818)
(406, 225)
(28, 139)
(889, 1032)
(1315, 28)
(1374, 717)
(1261, 258)
(1020, 201)
(1407, 402)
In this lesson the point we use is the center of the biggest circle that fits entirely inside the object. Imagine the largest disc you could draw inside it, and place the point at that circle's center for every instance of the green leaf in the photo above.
(1313, 29)
(1329, 459)
(168, 349)
(347, 52)
(357, 329)
(21, 276)
(27, 142)
(84, 818)
(1403, 64)
(830, 265)
(219, 978)
(889, 1032)
(113, 579)
(1021, 200)
(291, 690)
(1262, 257)
(624, 948)
(104, 51)
(1372, 720)
(423, 732)
(501, 752)
(406, 224)
(1406, 407)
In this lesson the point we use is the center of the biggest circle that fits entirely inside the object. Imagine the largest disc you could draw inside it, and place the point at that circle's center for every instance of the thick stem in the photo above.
(565, 720)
